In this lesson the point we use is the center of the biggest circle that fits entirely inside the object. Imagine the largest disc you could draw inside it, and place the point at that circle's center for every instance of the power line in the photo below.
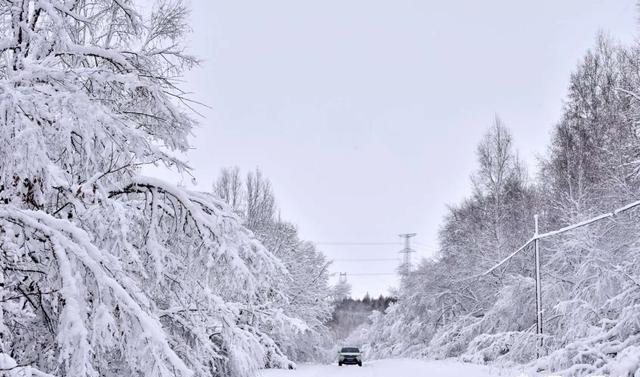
(365, 259)
(536, 239)
(357, 243)
(375, 273)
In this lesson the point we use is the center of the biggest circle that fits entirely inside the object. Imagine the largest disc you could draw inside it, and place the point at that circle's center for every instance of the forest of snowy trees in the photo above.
(107, 272)
(349, 314)
(308, 295)
(590, 278)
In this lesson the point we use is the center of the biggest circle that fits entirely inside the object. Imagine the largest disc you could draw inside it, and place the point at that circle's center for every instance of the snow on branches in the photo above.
(589, 254)
(106, 272)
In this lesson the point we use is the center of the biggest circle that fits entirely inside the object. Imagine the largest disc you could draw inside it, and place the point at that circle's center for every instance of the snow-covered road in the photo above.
(395, 368)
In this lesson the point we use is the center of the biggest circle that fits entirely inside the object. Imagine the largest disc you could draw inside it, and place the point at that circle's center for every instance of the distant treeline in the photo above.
(350, 313)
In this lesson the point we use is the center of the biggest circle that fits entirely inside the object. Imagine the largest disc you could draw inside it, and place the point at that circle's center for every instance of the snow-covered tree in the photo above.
(592, 168)
(340, 291)
(307, 295)
(476, 234)
(447, 307)
(106, 272)
(228, 187)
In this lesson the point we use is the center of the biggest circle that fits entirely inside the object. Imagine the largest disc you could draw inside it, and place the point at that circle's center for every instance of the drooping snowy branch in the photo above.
(106, 272)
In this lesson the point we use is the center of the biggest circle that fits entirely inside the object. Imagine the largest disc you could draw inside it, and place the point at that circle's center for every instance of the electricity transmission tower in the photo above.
(343, 277)
(406, 258)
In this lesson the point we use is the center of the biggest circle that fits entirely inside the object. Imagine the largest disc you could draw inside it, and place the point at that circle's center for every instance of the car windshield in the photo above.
(350, 350)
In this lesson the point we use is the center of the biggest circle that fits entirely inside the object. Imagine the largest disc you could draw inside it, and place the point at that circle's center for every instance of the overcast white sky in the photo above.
(365, 114)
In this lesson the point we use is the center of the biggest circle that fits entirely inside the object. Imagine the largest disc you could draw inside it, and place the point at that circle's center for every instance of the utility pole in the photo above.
(406, 259)
(343, 277)
(537, 237)
(536, 243)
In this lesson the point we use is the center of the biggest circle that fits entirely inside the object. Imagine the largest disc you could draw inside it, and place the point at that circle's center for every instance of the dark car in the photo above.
(350, 355)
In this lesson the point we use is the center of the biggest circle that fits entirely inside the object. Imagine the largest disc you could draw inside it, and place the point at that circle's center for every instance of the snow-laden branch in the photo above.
(71, 244)
(108, 272)
(212, 221)
(10, 368)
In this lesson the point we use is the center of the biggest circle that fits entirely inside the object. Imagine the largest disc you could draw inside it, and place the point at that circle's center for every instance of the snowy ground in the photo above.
(395, 368)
